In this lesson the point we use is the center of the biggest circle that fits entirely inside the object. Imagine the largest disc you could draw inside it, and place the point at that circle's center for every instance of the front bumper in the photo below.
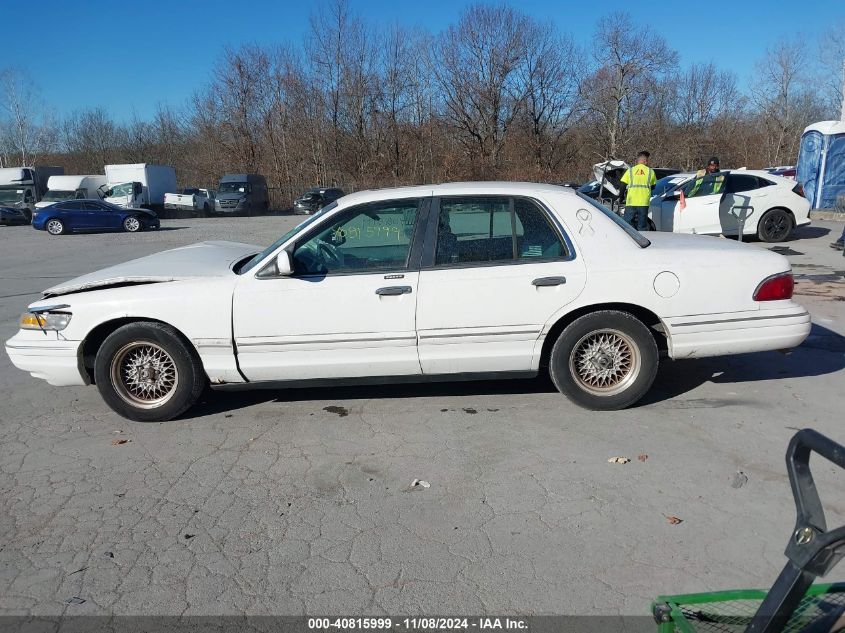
(48, 357)
(772, 328)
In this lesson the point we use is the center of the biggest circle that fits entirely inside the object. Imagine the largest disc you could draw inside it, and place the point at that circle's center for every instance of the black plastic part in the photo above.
(812, 550)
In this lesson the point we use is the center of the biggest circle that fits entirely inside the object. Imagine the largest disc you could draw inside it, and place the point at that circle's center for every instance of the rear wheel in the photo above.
(147, 372)
(132, 224)
(605, 360)
(55, 226)
(774, 226)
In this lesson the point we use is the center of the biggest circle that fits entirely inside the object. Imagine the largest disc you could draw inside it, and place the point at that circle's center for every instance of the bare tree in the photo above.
(476, 64)
(701, 96)
(92, 139)
(26, 128)
(784, 99)
(631, 61)
(832, 61)
(552, 73)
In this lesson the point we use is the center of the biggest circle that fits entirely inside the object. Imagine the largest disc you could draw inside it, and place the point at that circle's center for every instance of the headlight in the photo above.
(53, 321)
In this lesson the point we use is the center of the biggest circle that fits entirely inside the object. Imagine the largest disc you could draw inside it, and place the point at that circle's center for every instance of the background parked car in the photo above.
(773, 206)
(242, 194)
(191, 199)
(13, 215)
(92, 215)
(315, 199)
(611, 173)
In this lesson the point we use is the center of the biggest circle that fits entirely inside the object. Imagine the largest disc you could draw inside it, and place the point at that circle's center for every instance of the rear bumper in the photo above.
(699, 336)
(56, 361)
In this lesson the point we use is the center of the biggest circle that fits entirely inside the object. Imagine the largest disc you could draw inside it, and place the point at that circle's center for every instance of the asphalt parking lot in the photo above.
(300, 501)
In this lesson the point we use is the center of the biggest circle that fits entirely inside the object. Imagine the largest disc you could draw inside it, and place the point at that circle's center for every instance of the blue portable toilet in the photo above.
(821, 163)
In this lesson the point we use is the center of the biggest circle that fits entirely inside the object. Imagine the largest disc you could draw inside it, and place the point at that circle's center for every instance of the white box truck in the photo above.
(71, 188)
(22, 187)
(139, 185)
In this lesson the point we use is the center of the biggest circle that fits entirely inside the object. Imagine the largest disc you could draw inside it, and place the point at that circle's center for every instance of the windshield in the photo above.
(250, 264)
(665, 184)
(11, 195)
(233, 187)
(58, 194)
(123, 189)
(635, 235)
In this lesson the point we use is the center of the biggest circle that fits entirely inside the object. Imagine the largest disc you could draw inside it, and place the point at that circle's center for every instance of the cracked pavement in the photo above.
(301, 501)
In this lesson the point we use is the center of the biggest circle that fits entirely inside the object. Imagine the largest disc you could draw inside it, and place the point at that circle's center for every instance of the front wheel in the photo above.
(774, 226)
(132, 224)
(55, 227)
(147, 372)
(604, 360)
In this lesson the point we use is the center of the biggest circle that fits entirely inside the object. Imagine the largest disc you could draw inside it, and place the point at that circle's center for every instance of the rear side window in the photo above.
(73, 206)
(494, 229)
(737, 183)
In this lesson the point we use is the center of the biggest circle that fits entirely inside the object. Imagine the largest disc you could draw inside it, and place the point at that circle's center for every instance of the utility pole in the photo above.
(842, 111)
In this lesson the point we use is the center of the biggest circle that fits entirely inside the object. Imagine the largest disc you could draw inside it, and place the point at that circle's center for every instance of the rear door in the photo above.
(746, 196)
(495, 270)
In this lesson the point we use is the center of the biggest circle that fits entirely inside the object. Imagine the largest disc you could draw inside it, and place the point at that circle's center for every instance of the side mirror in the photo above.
(283, 264)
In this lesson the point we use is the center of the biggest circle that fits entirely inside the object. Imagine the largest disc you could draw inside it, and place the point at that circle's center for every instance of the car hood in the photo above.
(231, 196)
(205, 259)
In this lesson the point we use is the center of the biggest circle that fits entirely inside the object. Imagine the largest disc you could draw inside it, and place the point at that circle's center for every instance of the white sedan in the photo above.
(766, 205)
(435, 282)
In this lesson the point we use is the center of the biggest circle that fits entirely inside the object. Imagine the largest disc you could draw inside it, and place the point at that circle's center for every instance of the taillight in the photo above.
(775, 288)
(799, 189)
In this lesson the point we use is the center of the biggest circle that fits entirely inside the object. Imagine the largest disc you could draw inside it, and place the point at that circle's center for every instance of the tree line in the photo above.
(496, 95)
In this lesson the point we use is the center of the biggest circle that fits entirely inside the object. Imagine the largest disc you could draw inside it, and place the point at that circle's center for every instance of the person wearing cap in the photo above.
(708, 180)
(640, 180)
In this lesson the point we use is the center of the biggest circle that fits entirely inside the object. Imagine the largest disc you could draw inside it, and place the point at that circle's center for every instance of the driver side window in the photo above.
(370, 237)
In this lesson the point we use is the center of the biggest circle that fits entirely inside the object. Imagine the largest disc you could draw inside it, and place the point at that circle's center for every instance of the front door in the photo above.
(500, 268)
(349, 308)
(698, 213)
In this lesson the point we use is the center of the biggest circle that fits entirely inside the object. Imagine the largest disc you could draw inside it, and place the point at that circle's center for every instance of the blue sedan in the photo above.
(92, 215)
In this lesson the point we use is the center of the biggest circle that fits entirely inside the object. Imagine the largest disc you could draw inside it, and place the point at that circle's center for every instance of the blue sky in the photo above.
(129, 56)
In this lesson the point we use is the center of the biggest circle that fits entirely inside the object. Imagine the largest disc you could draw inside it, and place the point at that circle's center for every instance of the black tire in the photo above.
(132, 224)
(55, 226)
(774, 226)
(175, 367)
(625, 338)
(205, 210)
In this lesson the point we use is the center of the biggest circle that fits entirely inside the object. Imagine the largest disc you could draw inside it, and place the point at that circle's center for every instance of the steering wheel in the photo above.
(330, 254)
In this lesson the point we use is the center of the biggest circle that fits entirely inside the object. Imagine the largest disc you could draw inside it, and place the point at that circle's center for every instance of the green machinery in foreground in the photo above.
(793, 603)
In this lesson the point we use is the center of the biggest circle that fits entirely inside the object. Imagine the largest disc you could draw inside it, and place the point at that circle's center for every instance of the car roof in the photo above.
(501, 188)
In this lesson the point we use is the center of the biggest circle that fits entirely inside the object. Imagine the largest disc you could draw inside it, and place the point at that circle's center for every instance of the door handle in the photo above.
(390, 291)
(549, 281)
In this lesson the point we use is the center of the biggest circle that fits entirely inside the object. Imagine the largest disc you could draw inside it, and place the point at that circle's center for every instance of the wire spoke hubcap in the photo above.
(144, 374)
(605, 362)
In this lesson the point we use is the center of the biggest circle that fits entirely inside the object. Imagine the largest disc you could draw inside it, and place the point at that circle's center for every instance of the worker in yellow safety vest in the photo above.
(708, 180)
(640, 180)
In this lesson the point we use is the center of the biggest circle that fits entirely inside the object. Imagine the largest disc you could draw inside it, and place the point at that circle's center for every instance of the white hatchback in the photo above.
(764, 205)
(440, 282)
